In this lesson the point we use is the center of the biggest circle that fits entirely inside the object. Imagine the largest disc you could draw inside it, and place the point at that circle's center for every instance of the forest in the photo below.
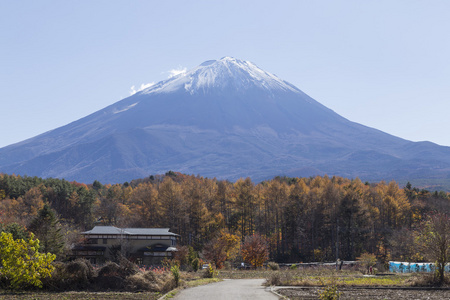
(303, 219)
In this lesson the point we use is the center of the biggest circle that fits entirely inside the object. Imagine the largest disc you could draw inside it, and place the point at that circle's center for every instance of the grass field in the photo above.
(320, 277)
(352, 282)
(188, 279)
(78, 295)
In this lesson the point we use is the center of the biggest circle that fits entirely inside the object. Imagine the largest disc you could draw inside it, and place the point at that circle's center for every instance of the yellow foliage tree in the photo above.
(223, 247)
(21, 264)
(231, 244)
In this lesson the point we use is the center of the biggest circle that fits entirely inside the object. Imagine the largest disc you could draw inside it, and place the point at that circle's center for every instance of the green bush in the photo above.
(195, 264)
(293, 267)
(176, 274)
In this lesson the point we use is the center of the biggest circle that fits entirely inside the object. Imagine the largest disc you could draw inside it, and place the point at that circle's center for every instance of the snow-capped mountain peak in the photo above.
(227, 73)
(227, 119)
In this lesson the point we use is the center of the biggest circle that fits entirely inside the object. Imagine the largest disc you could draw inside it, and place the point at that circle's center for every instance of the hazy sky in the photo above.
(384, 64)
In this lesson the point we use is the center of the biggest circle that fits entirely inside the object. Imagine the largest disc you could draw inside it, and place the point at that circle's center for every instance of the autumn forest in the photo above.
(303, 219)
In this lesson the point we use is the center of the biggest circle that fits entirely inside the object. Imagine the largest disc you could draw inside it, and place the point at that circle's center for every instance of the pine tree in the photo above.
(47, 229)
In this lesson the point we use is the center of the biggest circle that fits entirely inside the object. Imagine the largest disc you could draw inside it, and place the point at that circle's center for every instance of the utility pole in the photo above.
(337, 244)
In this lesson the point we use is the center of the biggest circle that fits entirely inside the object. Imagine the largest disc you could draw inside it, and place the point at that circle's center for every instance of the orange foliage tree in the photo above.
(255, 250)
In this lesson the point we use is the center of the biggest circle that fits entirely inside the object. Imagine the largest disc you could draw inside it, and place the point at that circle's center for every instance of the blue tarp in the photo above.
(406, 267)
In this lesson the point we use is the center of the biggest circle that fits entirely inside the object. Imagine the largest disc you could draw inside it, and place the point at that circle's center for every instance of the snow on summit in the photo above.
(226, 73)
(227, 119)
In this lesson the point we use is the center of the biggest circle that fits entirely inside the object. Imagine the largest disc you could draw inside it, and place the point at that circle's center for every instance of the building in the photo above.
(145, 246)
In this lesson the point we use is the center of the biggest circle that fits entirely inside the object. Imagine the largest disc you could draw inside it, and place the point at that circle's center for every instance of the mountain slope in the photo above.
(226, 119)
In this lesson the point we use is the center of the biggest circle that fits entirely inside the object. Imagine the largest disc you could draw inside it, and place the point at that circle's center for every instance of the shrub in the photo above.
(59, 279)
(127, 267)
(77, 274)
(293, 267)
(145, 281)
(367, 260)
(273, 265)
(210, 272)
(227, 265)
(112, 275)
(138, 282)
(274, 279)
(109, 269)
(329, 293)
(81, 270)
(123, 269)
(149, 281)
(176, 274)
(195, 264)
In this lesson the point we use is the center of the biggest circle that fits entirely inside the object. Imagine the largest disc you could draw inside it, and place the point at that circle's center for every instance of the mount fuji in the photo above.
(228, 119)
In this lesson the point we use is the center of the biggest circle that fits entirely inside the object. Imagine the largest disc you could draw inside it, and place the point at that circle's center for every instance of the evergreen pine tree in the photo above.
(47, 229)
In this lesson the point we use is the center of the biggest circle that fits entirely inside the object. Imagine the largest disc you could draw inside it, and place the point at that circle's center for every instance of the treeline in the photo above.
(303, 219)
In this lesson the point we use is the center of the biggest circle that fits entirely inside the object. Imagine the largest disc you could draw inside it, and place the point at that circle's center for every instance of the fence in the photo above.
(406, 267)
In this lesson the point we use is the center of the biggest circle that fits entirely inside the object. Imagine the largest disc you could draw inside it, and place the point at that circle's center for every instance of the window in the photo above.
(139, 261)
(105, 241)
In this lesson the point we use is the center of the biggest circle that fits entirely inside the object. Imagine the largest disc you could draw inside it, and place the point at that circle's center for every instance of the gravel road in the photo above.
(228, 289)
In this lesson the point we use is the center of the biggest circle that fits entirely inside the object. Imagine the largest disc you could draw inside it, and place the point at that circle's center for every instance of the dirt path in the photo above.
(228, 289)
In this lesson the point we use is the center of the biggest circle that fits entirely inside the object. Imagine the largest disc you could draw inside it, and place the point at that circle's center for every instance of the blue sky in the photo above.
(384, 64)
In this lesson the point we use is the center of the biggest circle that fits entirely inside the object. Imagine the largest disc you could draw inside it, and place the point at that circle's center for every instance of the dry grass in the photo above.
(141, 285)
(201, 281)
(79, 295)
(149, 281)
(244, 274)
(428, 280)
(325, 277)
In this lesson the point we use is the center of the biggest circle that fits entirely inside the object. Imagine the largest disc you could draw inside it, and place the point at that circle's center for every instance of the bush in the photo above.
(210, 272)
(123, 269)
(274, 279)
(112, 276)
(195, 264)
(139, 282)
(330, 293)
(109, 269)
(367, 260)
(227, 265)
(176, 274)
(127, 267)
(77, 274)
(80, 275)
(293, 267)
(80, 272)
(145, 281)
(273, 266)
(149, 281)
